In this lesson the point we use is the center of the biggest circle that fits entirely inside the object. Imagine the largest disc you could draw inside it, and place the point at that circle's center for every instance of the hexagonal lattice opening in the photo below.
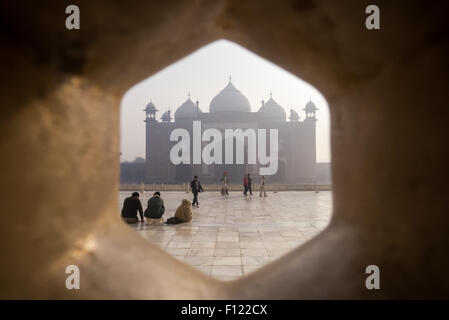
(230, 234)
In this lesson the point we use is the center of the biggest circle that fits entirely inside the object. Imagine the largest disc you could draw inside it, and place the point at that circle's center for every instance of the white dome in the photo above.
(230, 100)
(271, 109)
(166, 117)
(188, 110)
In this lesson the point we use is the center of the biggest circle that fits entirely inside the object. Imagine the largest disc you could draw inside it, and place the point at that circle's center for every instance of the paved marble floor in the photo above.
(232, 236)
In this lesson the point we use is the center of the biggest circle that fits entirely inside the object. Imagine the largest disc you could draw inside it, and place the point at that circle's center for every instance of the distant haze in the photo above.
(204, 74)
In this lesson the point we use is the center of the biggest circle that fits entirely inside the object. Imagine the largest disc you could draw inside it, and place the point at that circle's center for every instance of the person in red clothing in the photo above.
(245, 185)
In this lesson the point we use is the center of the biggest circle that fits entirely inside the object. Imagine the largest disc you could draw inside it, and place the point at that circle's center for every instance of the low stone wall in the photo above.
(217, 187)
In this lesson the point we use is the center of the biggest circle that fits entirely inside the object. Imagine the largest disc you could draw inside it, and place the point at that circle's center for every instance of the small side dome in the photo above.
(229, 100)
(188, 110)
(294, 116)
(272, 110)
(166, 116)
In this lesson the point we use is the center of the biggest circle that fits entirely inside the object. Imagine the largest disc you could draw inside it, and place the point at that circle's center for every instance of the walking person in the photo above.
(250, 188)
(245, 185)
(196, 187)
(155, 209)
(224, 184)
(262, 187)
(132, 206)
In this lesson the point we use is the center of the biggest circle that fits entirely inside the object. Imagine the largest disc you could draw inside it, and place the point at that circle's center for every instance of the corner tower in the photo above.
(150, 117)
(310, 137)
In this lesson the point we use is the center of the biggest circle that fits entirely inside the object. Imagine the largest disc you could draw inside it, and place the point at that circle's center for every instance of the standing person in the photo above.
(132, 206)
(262, 188)
(245, 185)
(155, 209)
(250, 188)
(196, 187)
(224, 184)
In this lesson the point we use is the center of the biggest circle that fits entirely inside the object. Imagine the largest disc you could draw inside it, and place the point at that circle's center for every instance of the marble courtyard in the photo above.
(232, 236)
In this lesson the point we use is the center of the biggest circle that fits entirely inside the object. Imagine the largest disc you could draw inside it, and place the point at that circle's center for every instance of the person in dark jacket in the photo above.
(196, 187)
(155, 209)
(224, 184)
(132, 206)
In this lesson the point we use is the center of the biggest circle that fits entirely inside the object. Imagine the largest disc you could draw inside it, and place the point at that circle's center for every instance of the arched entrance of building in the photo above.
(183, 173)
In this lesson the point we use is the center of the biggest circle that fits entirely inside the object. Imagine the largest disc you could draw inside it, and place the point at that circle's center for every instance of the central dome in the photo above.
(229, 100)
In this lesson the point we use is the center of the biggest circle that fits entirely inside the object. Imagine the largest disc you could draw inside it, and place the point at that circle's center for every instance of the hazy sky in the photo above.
(206, 72)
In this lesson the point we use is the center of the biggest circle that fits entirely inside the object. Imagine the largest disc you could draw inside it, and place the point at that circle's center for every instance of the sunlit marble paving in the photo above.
(232, 236)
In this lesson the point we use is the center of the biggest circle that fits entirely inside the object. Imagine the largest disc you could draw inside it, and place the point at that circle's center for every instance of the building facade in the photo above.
(230, 109)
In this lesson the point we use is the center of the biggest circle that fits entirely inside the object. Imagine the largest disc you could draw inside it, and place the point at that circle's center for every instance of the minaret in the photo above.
(150, 117)
(198, 109)
(150, 111)
(310, 138)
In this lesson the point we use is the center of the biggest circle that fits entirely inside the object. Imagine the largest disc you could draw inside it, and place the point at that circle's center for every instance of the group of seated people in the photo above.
(132, 211)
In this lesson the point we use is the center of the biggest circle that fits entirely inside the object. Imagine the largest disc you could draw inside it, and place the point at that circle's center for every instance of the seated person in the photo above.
(155, 209)
(131, 206)
(182, 214)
